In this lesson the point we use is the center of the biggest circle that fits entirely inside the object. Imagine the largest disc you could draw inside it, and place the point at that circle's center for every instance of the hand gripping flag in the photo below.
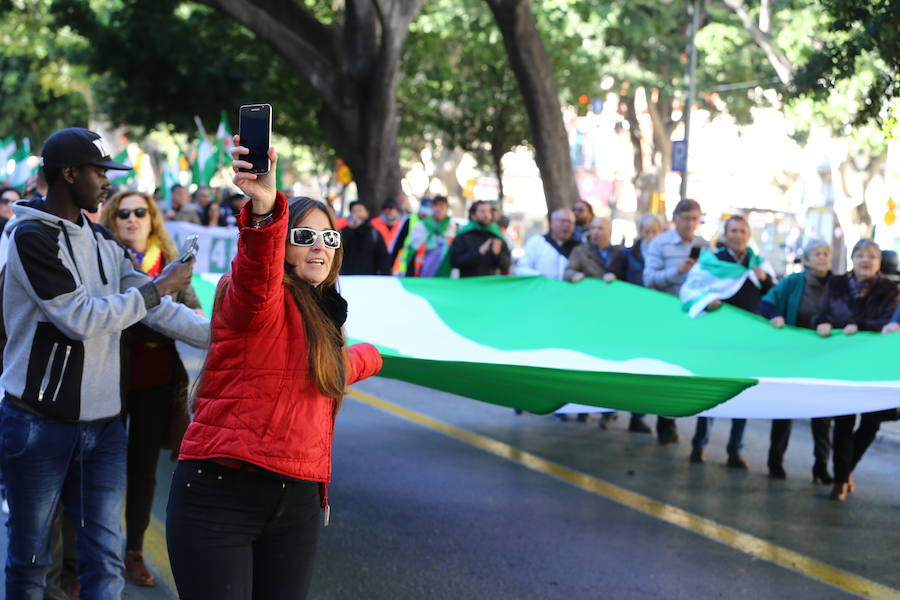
(713, 279)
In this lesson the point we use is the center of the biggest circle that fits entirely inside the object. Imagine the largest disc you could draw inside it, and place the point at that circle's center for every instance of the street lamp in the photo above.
(696, 8)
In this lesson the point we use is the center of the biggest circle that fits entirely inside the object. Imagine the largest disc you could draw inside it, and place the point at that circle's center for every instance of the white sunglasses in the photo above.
(305, 236)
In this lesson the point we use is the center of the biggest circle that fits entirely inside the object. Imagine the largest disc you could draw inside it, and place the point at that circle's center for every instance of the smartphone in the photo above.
(695, 252)
(189, 248)
(255, 129)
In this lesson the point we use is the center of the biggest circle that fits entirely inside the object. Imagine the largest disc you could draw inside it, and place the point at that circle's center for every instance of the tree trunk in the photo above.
(634, 134)
(354, 68)
(661, 117)
(537, 83)
(497, 158)
(446, 161)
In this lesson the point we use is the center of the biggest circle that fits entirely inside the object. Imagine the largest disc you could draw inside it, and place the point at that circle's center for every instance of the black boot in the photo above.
(820, 474)
(776, 471)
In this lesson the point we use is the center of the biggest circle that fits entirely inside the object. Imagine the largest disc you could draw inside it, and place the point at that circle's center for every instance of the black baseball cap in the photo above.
(74, 147)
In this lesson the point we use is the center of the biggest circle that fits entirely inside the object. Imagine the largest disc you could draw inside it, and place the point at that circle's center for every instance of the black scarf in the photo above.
(565, 248)
(334, 305)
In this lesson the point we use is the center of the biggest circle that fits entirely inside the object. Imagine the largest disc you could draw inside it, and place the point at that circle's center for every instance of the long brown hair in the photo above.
(324, 340)
(157, 227)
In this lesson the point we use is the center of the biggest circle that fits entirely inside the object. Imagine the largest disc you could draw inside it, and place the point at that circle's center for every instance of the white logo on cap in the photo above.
(101, 146)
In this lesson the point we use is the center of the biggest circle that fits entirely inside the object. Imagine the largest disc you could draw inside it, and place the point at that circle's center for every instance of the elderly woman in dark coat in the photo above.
(859, 300)
(794, 301)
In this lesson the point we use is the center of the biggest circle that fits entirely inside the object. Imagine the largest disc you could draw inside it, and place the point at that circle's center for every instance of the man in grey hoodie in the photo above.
(69, 291)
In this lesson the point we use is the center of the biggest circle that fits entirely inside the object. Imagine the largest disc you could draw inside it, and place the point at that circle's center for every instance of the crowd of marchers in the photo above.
(96, 295)
(578, 245)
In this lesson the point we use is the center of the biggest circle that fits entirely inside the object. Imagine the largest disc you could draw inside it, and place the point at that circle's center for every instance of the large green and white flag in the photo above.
(538, 344)
(712, 279)
(23, 168)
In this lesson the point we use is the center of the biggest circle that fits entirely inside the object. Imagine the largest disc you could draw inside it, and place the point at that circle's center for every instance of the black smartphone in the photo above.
(695, 252)
(255, 129)
(189, 248)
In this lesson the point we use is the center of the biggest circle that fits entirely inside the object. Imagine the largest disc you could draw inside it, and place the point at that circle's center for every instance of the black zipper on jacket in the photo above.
(71, 251)
(100, 263)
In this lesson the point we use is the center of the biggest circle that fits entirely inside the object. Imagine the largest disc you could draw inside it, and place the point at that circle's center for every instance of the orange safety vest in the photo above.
(388, 234)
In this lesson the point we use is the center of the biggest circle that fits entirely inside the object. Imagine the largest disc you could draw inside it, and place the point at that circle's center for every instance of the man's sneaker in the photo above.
(696, 455)
(638, 426)
(736, 461)
(667, 437)
(607, 418)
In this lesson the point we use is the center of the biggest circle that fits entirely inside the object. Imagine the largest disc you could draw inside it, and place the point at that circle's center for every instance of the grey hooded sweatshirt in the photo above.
(70, 290)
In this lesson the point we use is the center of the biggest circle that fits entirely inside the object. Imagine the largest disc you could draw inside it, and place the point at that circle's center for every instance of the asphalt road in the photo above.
(417, 513)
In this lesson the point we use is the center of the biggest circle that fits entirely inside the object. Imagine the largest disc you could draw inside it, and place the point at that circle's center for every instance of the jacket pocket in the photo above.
(53, 380)
(14, 435)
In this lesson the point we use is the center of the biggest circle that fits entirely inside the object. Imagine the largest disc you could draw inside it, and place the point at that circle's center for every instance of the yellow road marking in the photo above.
(157, 554)
(706, 527)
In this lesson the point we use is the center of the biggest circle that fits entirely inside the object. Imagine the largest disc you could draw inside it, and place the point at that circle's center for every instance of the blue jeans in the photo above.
(735, 440)
(45, 461)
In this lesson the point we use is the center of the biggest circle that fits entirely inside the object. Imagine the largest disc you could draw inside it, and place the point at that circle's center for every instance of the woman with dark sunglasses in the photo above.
(155, 378)
(244, 506)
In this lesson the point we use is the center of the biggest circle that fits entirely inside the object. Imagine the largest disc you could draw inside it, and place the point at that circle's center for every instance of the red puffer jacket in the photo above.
(257, 401)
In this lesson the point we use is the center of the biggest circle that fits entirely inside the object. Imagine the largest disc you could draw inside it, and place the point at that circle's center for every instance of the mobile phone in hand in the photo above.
(189, 248)
(255, 131)
(695, 252)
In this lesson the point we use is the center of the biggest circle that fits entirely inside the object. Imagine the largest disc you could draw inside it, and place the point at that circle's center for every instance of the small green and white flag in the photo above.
(23, 169)
(537, 344)
(712, 279)
(7, 148)
(123, 178)
(206, 162)
(169, 178)
(224, 140)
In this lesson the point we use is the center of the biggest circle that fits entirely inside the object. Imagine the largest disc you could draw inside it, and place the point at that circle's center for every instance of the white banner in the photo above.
(218, 245)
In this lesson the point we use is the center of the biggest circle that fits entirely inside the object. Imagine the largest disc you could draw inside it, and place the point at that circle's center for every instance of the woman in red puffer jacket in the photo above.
(243, 515)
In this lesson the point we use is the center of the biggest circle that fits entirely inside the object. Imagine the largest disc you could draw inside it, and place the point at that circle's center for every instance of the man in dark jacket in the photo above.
(479, 248)
(597, 257)
(649, 227)
(364, 249)
(737, 240)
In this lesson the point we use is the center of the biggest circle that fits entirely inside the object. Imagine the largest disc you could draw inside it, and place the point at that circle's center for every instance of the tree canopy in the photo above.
(43, 90)
(863, 38)
(458, 85)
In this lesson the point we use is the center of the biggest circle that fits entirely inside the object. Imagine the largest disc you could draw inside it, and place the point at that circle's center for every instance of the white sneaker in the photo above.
(5, 507)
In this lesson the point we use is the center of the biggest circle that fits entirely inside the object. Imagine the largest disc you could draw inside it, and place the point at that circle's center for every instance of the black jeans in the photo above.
(781, 433)
(148, 416)
(849, 446)
(239, 535)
